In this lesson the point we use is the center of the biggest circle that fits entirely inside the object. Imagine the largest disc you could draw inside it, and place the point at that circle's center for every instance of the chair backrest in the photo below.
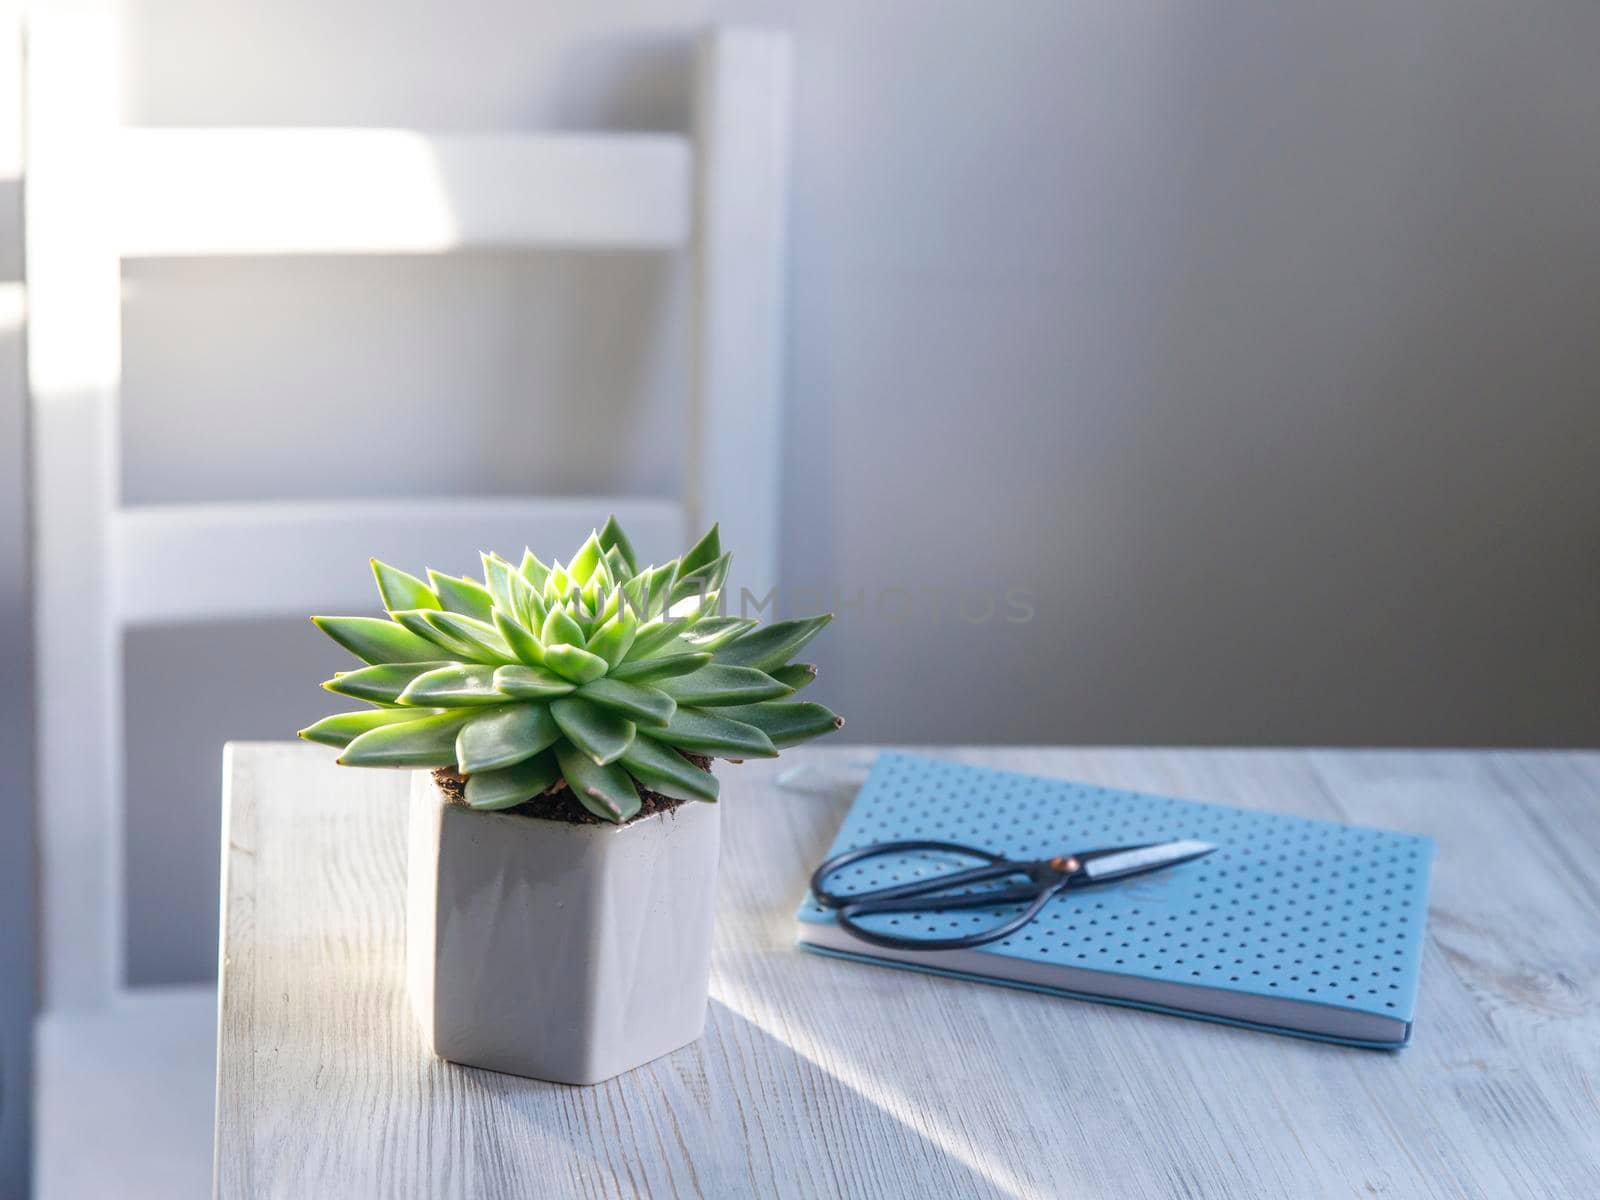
(97, 193)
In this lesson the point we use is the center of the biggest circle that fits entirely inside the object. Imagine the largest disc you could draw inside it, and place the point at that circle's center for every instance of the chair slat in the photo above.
(188, 192)
(189, 562)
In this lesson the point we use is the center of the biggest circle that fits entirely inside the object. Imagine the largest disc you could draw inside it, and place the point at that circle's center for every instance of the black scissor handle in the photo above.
(929, 895)
(1040, 896)
(999, 866)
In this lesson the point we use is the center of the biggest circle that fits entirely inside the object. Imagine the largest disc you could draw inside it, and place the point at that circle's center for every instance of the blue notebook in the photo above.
(1293, 926)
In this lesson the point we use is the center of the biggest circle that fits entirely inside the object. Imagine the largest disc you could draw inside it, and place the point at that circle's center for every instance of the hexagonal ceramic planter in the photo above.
(563, 952)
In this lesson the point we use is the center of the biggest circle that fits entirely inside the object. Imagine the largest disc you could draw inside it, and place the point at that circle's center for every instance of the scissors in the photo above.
(1046, 879)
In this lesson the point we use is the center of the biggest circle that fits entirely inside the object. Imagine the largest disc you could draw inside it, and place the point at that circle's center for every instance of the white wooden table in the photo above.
(825, 1078)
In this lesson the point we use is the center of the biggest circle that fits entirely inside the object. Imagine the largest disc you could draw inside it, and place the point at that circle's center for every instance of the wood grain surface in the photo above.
(819, 1077)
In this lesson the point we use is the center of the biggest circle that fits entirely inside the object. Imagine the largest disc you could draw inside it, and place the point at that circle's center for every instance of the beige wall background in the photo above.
(1256, 343)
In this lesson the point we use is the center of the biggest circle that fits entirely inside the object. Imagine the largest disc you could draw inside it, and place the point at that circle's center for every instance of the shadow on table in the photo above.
(821, 1123)
(738, 1113)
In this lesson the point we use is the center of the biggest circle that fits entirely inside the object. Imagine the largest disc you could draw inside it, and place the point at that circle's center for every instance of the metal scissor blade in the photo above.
(1144, 858)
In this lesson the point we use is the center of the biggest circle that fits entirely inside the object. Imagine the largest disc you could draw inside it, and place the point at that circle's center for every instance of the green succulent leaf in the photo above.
(523, 644)
(692, 609)
(531, 610)
(484, 639)
(719, 684)
(429, 741)
(708, 578)
(645, 705)
(495, 570)
(504, 737)
(557, 584)
(795, 675)
(707, 550)
(654, 637)
(416, 621)
(343, 728)
(620, 570)
(705, 733)
(455, 686)
(648, 670)
(662, 769)
(598, 732)
(561, 628)
(657, 587)
(587, 558)
(662, 633)
(633, 595)
(531, 683)
(534, 571)
(381, 684)
(713, 633)
(513, 594)
(511, 786)
(574, 663)
(772, 645)
(374, 640)
(462, 595)
(787, 723)
(606, 791)
(636, 592)
(401, 590)
(612, 538)
(613, 640)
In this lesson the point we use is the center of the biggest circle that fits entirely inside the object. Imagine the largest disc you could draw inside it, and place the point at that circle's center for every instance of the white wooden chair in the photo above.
(124, 1076)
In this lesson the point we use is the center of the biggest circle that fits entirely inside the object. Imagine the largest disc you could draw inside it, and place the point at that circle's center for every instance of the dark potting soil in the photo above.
(559, 804)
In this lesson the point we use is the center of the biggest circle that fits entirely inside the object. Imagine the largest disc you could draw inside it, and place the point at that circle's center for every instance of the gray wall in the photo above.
(17, 930)
(1257, 342)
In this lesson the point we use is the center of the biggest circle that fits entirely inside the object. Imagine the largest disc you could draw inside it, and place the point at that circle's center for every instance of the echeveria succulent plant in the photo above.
(600, 673)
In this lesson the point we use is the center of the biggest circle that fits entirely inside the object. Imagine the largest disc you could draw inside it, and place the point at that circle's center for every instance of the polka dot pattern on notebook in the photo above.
(1287, 906)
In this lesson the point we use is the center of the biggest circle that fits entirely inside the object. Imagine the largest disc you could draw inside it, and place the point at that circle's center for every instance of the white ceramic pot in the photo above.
(563, 952)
